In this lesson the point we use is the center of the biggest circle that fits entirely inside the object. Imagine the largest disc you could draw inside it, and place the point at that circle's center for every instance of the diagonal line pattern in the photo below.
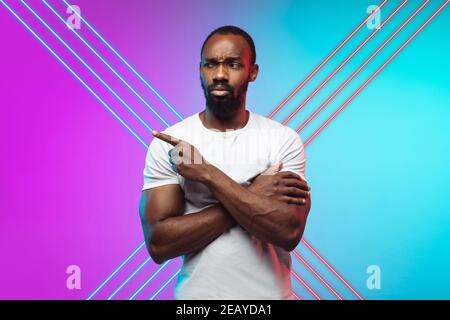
(343, 63)
(164, 285)
(317, 275)
(129, 278)
(352, 96)
(150, 279)
(125, 62)
(115, 272)
(322, 128)
(335, 114)
(178, 271)
(87, 66)
(108, 65)
(306, 285)
(362, 66)
(289, 97)
(73, 72)
(35, 15)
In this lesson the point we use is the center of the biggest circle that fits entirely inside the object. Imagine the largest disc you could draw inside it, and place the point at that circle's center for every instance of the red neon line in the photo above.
(338, 111)
(334, 115)
(303, 282)
(293, 113)
(296, 296)
(274, 112)
(332, 270)
(318, 276)
(361, 67)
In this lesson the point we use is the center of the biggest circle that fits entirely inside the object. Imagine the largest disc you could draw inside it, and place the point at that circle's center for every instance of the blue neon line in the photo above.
(165, 285)
(148, 280)
(64, 43)
(129, 257)
(126, 63)
(115, 271)
(74, 74)
(108, 65)
(128, 279)
(123, 123)
(139, 76)
(86, 65)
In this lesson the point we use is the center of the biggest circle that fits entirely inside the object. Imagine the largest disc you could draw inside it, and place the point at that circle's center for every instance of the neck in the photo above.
(235, 121)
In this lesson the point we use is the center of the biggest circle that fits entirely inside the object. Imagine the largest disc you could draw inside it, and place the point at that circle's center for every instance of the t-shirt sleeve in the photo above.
(157, 170)
(292, 154)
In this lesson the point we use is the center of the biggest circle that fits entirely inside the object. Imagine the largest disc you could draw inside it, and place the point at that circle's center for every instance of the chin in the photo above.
(222, 108)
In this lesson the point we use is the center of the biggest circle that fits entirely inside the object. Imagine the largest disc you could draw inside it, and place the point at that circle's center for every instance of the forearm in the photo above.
(268, 219)
(176, 236)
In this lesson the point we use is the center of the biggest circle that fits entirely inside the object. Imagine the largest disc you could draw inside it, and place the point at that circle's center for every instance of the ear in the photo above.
(253, 72)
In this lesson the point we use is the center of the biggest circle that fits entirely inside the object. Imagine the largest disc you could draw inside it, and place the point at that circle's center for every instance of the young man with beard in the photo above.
(225, 188)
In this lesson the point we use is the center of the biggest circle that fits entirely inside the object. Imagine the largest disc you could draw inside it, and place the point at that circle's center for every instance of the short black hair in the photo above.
(237, 31)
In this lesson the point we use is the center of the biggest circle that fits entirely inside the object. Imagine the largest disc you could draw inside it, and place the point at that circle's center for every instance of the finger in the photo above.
(295, 192)
(292, 200)
(290, 182)
(165, 137)
(289, 174)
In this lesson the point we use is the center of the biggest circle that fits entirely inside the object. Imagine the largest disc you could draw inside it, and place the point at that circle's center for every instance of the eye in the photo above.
(208, 65)
(234, 65)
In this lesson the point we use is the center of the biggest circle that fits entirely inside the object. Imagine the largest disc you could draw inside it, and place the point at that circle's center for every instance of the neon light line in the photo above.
(274, 112)
(108, 65)
(129, 278)
(148, 280)
(336, 92)
(164, 285)
(86, 65)
(73, 73)
(303, 282)
(125, 62)
(318, 276)
(335, 114)
(343, 63)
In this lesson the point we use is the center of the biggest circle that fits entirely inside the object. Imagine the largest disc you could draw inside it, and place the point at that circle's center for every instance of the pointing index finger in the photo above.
(165, 137)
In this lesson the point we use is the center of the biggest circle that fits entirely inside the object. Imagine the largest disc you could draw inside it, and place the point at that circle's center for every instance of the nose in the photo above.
(221, 73)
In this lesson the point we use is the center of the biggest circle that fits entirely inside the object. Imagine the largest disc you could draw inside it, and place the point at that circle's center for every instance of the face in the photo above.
(225, 71)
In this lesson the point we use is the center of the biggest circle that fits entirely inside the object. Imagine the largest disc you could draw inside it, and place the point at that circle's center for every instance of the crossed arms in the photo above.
(273, 208)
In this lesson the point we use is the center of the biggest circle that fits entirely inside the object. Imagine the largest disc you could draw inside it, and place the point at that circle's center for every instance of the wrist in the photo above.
(209, 174)
(230, 222)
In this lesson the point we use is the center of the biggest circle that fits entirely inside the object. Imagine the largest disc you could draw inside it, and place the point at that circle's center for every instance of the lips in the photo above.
(220, 91)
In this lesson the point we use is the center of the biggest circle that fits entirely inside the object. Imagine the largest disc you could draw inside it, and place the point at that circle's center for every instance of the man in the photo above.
(225, 188)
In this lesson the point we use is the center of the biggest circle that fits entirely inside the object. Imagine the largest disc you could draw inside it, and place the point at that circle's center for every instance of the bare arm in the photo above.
(168, 233)
(268, 219)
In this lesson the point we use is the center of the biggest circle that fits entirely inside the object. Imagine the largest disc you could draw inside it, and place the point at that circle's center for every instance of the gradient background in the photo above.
(71, 174)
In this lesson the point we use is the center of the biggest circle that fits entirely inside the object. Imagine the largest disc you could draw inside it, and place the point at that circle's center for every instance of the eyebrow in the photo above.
(226, 60)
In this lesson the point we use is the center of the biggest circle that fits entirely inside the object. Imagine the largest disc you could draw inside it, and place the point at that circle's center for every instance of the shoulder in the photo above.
(183, 126)
(275, 128)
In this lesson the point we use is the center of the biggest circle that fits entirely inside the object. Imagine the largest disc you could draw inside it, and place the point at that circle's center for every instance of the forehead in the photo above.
(221, 46)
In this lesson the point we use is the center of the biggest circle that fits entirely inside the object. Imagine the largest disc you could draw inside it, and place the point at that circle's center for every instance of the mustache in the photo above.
(220, 86)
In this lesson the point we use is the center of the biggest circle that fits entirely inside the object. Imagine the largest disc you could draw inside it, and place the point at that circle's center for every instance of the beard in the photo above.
(223, 107)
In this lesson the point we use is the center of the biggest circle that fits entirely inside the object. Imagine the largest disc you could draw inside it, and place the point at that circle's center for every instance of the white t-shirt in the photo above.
(235, 265)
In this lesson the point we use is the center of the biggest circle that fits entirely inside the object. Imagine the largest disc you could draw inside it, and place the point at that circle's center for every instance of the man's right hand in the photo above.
(286, 186)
